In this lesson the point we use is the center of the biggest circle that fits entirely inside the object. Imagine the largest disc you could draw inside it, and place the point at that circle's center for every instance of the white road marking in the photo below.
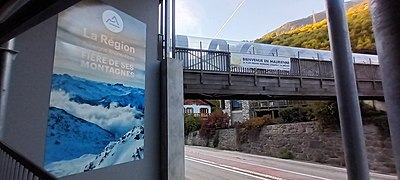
(291, 161)
(278, 169)
(234, 169)
(300, 163)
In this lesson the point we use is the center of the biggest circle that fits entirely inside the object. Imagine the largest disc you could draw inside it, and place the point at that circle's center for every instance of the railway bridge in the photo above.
(209, 74)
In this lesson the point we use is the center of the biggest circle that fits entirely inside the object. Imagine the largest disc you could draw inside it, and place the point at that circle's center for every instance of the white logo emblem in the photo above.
(113, 21)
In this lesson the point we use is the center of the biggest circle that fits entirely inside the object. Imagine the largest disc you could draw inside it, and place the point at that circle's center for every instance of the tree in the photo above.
(217, 120)
(191, 123)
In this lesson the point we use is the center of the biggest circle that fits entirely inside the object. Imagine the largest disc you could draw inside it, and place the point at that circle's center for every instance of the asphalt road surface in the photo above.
(213, 164)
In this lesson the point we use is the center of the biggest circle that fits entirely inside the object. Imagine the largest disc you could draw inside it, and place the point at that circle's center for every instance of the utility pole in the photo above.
(346, 91)
(385, 20)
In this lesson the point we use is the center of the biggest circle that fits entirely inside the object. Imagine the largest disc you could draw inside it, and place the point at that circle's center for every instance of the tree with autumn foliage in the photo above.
(216, 120)
(315, 36)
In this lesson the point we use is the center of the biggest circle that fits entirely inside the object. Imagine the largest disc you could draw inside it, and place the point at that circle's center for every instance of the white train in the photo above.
(264, 49)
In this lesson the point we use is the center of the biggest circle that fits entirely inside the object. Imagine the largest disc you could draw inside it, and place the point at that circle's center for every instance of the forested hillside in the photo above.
(315, 36)
(309, 20)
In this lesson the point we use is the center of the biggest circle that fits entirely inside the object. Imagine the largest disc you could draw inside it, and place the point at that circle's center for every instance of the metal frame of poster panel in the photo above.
(96, 112)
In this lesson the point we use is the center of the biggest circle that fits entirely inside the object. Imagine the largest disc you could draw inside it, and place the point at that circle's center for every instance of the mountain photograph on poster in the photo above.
(92, 125)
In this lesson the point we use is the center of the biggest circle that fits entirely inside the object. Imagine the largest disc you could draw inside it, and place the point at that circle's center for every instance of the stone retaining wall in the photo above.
(304, 141)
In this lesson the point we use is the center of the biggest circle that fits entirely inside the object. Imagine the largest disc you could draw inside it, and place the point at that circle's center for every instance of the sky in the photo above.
(204, 18)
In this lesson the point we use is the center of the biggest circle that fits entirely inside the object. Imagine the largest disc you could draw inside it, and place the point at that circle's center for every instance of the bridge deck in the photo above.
(208, 74)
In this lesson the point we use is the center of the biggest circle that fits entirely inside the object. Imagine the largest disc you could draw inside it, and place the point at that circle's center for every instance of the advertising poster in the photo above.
(96, 112)
(260, 62)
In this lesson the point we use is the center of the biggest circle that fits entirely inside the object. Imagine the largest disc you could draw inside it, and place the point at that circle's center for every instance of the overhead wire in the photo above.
(226, 22)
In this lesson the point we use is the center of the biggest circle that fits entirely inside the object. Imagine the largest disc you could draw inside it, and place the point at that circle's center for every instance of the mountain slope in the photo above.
(127, 148)
(85, 91)
(309, 20)
(114, 107)
(315, 36)
(69, 137)
(92, 125)
(299, 23)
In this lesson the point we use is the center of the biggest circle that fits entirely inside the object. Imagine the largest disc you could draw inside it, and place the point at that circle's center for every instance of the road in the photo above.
(208, 164)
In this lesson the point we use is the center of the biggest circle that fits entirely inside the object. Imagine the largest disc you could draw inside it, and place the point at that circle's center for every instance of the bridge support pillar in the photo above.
(172, 137)
(385, 19)
(346, 91)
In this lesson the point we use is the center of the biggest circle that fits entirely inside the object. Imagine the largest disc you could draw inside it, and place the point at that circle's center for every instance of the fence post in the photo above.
(300, 73)
(229, 68)
(372, 69)
(319, 71)
(279, 78)
(201, 63)
(255, 76)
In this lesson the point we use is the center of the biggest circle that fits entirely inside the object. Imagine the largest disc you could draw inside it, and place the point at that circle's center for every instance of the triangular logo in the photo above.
(113, 21)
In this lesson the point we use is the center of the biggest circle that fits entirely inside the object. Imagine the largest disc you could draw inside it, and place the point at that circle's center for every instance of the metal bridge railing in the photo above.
(267, 104)
(14, 166)
(204, 60)
(219, 61)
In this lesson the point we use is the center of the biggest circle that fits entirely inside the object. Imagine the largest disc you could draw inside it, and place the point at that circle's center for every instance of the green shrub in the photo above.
(375, 117)
(368, 111)
(191, 123)
(296, 114)
(216, 105)
(327, 114)
(381, 122)
(286, 155)
(250, 129)
(257, 122)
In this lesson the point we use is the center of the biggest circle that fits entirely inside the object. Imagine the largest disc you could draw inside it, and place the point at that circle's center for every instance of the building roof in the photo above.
(198, 102)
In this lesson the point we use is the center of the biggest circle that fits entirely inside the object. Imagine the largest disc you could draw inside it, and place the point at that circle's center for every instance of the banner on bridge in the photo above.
(260, 62)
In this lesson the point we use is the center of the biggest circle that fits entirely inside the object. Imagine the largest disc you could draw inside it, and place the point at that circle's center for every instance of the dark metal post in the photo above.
(385, 19)
(7, 55)
(346, 90)
(167, 20)
(161, 23)
(173, 43)
(161, 36)
(228, 62)
(201, 63)
(298, 61)
(319, 73)
(299, 66)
